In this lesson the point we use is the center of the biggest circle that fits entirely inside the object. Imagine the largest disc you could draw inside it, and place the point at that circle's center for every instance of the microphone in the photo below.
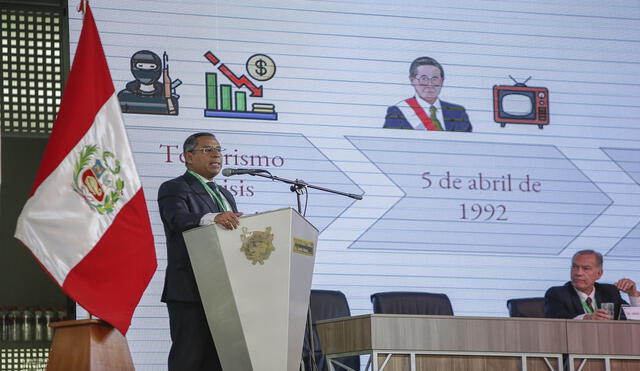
(232, 172)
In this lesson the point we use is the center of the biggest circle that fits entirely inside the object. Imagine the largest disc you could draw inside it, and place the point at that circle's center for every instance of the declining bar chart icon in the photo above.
(224, 101)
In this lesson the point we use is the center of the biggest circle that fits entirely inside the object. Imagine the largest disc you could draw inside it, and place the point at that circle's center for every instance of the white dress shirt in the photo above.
(634, 301)
(208, 218)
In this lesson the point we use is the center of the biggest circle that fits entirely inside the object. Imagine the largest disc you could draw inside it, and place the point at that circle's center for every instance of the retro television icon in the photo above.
(520, 104)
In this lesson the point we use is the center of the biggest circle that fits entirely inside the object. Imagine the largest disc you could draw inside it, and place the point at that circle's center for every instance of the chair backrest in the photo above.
(526, 307)
(402, 302)
(326, 304)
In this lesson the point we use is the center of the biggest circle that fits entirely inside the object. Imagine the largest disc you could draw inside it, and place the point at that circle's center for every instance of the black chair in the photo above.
(526, 307)
(401, 302)
(326, 304)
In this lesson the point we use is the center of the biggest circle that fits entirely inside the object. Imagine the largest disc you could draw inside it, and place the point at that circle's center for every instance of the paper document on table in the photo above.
(632, 312)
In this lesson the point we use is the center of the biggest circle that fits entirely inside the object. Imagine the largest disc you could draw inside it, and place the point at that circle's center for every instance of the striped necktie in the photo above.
(589, 301)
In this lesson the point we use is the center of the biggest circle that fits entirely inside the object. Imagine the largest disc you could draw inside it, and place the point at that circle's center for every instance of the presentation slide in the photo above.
(490, 140)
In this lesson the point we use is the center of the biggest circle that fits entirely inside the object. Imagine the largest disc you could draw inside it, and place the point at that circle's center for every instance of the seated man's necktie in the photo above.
(589, 301)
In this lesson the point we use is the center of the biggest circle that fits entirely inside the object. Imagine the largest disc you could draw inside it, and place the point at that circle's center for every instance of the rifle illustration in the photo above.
(169, 86)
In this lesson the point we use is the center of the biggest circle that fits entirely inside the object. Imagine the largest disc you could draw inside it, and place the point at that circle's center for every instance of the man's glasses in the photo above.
(424, 80)
(208, 150)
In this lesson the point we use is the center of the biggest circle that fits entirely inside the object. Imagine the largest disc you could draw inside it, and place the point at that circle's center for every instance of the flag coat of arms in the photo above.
(86, 220)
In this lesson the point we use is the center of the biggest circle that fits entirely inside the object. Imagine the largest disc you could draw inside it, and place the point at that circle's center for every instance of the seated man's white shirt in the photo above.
(583, 298)
(634, 301)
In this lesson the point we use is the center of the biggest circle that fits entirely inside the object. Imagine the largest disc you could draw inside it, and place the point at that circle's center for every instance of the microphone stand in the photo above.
(299, 186)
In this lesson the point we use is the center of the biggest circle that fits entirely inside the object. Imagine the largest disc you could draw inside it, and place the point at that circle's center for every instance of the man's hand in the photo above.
(628, 286)
(599, 314)
(228, 219)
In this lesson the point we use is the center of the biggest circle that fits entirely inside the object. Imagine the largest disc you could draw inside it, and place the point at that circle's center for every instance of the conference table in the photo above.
(427, 342)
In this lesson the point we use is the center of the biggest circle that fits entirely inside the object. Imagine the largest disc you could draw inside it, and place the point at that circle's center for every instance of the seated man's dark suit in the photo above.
(455, 118)
(564, 302)
(182, 202)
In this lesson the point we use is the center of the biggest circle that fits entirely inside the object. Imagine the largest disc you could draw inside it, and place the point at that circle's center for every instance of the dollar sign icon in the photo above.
(260, 63)
(261, 67)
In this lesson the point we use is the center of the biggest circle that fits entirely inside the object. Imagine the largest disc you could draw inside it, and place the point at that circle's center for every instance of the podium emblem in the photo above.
(257, 245)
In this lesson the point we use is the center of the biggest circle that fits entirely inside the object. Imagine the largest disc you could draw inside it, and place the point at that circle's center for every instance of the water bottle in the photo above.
(27, 325)
(48, 318)
(62, 315)
(4, 329)
(14, 325)
(39, 330)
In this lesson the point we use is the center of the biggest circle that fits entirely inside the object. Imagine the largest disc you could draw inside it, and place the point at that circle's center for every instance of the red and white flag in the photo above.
(86, 220)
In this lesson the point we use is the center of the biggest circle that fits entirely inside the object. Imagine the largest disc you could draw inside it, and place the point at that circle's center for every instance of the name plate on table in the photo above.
(632, 312)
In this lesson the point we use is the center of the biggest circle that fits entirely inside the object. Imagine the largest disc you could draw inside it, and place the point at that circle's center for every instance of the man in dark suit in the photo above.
(582, 297)
(188, 201)
(425, 111)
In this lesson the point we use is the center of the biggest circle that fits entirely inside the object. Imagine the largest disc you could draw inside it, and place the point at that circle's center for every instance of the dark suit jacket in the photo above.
(455, 118)
(182, 202)
(564, 302)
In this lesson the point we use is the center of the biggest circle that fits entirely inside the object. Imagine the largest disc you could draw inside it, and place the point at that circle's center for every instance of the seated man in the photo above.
(425, 111)
(581, 297)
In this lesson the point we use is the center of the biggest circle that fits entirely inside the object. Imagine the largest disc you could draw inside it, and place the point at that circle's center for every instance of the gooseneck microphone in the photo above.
(232, 172)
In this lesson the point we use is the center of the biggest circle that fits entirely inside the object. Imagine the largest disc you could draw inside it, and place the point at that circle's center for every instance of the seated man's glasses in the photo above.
(208, 150)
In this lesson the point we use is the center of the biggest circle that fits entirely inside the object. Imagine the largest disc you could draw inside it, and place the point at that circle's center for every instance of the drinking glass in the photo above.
(609, 308)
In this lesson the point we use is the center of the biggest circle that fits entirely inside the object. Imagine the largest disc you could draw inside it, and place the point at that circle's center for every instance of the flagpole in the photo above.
(82, 6)
(100, 276)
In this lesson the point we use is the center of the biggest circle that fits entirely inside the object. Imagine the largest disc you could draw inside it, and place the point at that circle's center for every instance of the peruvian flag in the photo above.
(86, 220)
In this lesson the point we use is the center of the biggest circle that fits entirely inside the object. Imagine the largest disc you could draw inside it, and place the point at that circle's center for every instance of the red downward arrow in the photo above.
(237, 81)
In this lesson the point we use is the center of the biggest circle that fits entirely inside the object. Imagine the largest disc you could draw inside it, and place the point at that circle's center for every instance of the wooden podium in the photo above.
(88, 345)
(254, 283)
